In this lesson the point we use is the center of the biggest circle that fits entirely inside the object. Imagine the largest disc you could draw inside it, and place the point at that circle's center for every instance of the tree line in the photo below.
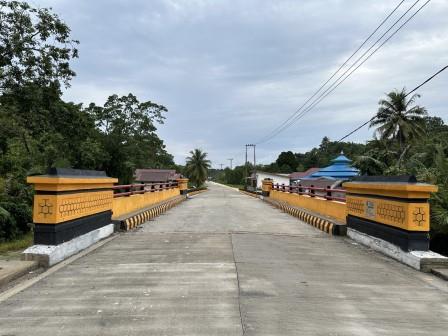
(39, 130)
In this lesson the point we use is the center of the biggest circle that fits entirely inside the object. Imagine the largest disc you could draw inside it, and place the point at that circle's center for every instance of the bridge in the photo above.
(219, 262)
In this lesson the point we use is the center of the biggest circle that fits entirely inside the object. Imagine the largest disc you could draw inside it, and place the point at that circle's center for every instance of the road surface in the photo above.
(224, 263)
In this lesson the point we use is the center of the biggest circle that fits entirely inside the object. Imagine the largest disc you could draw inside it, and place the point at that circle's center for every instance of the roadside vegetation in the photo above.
(39, 130)
(196, 167)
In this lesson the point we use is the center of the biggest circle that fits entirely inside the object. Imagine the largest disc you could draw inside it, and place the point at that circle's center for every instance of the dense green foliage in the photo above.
(196, 167)
(39, 130)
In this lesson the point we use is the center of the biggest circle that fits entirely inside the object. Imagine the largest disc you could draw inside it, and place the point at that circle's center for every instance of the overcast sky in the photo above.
(230, 71)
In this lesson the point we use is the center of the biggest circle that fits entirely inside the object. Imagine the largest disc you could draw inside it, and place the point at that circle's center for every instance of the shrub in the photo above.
(14, 219)
(8, 227)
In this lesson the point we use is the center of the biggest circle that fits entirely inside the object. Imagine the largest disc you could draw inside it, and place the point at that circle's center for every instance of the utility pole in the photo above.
(230, 163)
(221, 164)
(255, 162)
(246, 171)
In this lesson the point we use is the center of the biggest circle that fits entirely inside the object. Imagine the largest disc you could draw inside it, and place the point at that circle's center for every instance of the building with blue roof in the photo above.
(340, 169)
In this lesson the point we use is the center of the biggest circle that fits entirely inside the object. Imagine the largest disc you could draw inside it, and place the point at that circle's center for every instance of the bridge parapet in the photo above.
(73, 209)
(324, 204)
(388, 214)
(133, 197)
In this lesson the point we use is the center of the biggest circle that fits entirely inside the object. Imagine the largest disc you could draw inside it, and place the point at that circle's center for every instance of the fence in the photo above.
(142, 188)
(326, 193)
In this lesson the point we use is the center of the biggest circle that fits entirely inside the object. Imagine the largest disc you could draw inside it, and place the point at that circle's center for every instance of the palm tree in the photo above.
(197, 167)
(398, 120)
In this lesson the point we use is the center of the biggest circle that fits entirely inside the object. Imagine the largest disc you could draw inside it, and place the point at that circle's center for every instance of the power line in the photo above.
(410, 92)
(426, 81)
(338, 81)
(340, 67)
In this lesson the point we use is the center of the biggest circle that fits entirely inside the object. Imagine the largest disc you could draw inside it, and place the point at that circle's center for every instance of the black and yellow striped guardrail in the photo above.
(324, 224)
(132, 221)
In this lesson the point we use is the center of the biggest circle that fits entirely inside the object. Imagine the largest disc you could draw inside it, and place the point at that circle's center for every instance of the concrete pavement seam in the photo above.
(28, 283)
(238, 284)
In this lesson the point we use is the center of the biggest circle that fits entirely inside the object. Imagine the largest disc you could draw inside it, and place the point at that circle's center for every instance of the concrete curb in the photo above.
(13, 269)
(424, 261)
(28, 283)
(131, 221)
(193, 193)
(49, 255)
(249, 194)
(440, 272)
(324, 224)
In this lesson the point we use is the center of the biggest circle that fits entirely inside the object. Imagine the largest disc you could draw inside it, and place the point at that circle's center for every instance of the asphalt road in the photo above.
(224, 263)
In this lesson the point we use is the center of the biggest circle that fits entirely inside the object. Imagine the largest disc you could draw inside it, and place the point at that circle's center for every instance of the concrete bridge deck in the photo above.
(224, 263)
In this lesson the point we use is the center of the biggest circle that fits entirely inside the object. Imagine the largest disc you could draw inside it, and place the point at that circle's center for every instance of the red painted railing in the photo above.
(326, 193)
(141, 188)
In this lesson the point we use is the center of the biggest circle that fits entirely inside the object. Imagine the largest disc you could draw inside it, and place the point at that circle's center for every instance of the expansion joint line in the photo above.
(238, 284)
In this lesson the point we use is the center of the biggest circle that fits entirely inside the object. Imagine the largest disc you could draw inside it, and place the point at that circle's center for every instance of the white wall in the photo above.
(276, 178)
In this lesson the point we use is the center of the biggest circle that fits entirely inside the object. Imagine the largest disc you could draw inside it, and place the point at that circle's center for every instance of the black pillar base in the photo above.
(406, 240)
(265, 193)
(55, 234)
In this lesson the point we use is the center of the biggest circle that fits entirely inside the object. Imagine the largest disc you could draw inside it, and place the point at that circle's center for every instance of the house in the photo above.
(297, 176)
(155, 175)
(331, 177)
(340, 168)
(275, 177)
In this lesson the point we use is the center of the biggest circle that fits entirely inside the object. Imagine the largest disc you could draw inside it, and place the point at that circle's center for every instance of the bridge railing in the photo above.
(142, 188)
(326, 193)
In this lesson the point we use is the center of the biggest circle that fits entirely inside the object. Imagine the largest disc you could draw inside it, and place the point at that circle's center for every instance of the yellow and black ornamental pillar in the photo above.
(69, 203)
(183, 185)
(266, 187)
(394, 209)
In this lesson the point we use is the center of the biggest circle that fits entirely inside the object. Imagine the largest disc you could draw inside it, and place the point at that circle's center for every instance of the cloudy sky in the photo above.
(231, 71)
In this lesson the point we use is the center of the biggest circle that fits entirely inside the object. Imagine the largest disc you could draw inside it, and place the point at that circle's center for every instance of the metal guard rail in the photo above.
(141, 188)
(311, 191)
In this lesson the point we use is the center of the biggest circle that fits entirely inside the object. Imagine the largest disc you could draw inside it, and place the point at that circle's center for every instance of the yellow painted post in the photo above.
(397, 212)
(69, 203)
(266, 187)
(183, 185)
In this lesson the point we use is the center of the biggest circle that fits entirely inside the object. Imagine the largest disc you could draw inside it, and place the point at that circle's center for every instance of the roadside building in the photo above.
(275, 177)
(331, 177)
(297, 176)
(155, 175)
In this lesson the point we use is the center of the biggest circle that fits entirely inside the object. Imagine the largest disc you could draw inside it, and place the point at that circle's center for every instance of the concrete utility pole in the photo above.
(252, 145)
(221, 164)
(230, 163)
(255, 161)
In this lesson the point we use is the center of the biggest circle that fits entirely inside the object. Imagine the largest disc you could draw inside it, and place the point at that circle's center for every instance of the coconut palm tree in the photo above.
(197, 167)
(399, 120)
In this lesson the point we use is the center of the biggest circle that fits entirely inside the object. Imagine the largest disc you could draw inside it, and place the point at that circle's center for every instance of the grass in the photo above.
(18, 244)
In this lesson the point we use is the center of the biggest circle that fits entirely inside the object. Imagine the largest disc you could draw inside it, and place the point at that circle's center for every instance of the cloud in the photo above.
(230, 72)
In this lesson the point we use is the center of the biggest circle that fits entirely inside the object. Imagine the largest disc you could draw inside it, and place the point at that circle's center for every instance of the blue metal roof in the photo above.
(339, 169)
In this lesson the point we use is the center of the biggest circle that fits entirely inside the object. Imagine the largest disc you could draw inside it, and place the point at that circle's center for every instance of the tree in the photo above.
(197, 166)
(127, 132)
(35, 46)
(399, 120)
(287, 162)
